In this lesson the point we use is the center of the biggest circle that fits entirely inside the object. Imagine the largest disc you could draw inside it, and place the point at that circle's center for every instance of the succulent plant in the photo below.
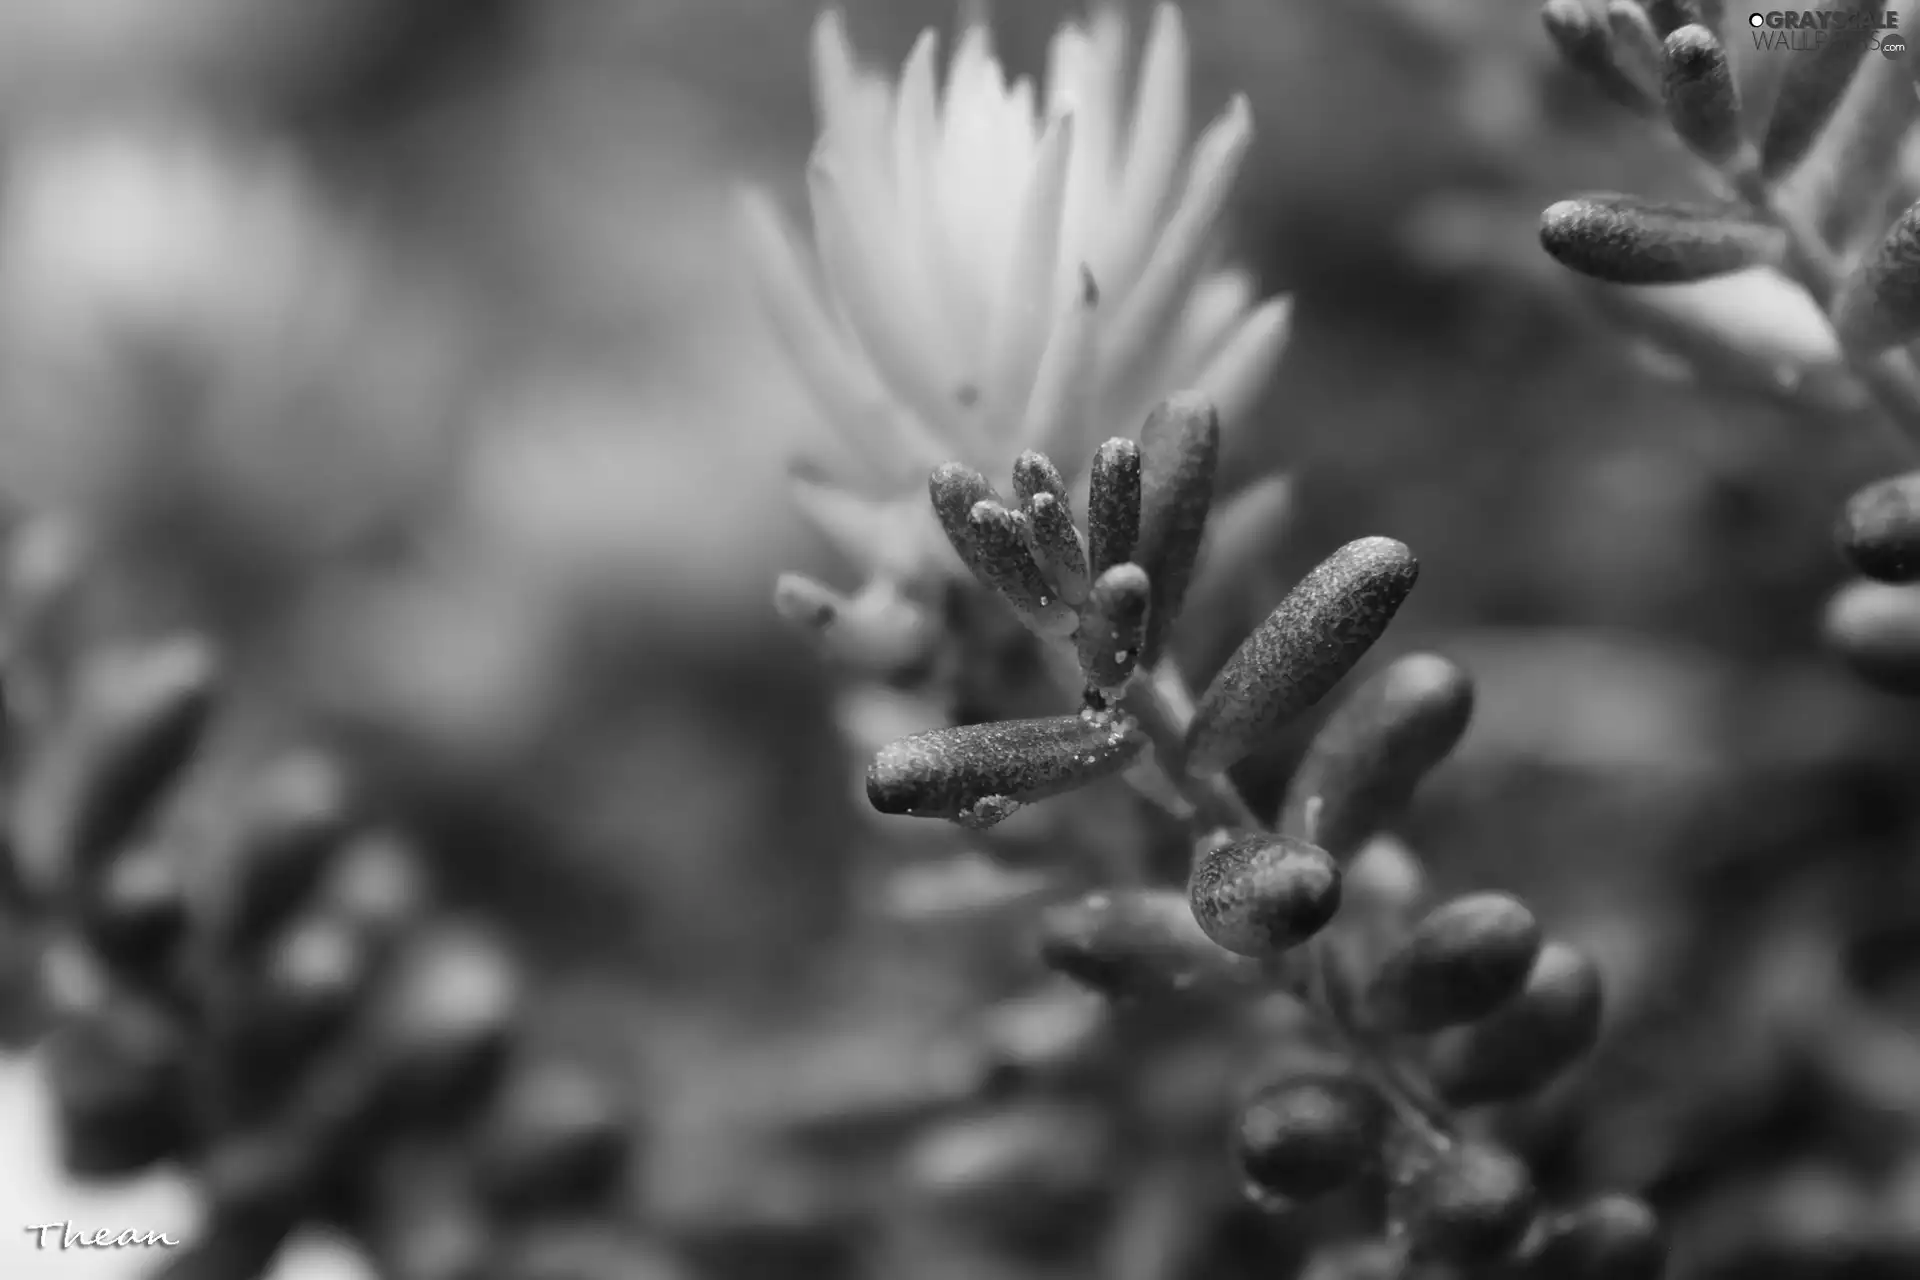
(253, 981)
(1416, 1009)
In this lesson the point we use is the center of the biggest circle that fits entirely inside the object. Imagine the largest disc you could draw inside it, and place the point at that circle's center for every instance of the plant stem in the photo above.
(1164, 708)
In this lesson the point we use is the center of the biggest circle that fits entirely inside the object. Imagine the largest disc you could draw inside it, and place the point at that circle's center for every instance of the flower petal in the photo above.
(1148, 314)
(876, 296)
(855, 405)
(1157, 137)
(1235, 377)
(1056, 420)
(1023, 312)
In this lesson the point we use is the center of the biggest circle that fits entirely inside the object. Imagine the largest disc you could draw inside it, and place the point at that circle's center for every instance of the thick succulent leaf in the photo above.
(1003, 559)
(1875, 628)
(1878, 305)
(1585, 45)
(1810, 89)
(1133, 943)
(1624, 239)
(1261, 895)
(1529, 1040)
(1304, 648)
(1879, 531)
(1113, 627)
(1113, 506)
(1373, 751)
(1180, 449)
(1465, 959)
(979, 774)
(139, 716)
(1703, 103)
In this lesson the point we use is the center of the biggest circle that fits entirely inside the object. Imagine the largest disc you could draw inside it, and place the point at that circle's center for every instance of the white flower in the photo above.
(998, 267)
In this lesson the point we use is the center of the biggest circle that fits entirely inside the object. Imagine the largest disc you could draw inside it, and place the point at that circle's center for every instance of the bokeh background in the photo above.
(404, 343)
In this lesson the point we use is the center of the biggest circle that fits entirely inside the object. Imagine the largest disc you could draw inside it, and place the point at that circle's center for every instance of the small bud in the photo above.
(555, 1139)
(1811, 86)
(1305, 1137)
(139, 718)
(119, 1080)
(1464, 960)
(1636, 44)
(1875, 628)
(1005, 563)
(1302, 650)
(1180, 448)
(1703, 103)
(1627, 240)
(1468, 1205)
(1614, 1237)
(976, 774)
(1056, 546)
(1584, 45)
(295, 816)
(1527, 1041)
(1035, 474)
(1878, 305)
(1264, 894)
(954, 490)
(1138, 943)
(1113, 506)
(1879, 533)
(446, 1019)
(1365, 762)
(1113, 628)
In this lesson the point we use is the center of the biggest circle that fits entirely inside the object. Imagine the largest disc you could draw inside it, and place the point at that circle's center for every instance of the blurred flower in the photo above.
(996, 267)
(191, 325)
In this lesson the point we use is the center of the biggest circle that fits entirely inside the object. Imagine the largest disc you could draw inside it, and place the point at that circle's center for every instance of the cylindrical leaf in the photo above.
(1878, 305)
(1056, 547)
(1373, 751)
(1627, 240)
(1875, 628)
(293, 819)
(954, 490)
(1703, 103)
(1302, 1138)
(1879, 532)
(1527, 1041)
(1113, 626)
(1466, 1206)
(1464, 960)
(1613, 1237)
(977, 774)
(1180, 448)
(1811, 86)
(1138, 943)
(1264, 894)
(1302, 650)
(1035, 474)
(1004, 561)
(1113, 506)
(139, 718)
(1584, 45)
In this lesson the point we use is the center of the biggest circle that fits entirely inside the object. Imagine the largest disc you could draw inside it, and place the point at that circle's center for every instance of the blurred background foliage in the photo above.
(404, 341)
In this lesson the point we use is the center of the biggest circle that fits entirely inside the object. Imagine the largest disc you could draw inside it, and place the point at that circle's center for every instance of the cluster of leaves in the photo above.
(1419, 1010)
(257, 985)
(1811, 190)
